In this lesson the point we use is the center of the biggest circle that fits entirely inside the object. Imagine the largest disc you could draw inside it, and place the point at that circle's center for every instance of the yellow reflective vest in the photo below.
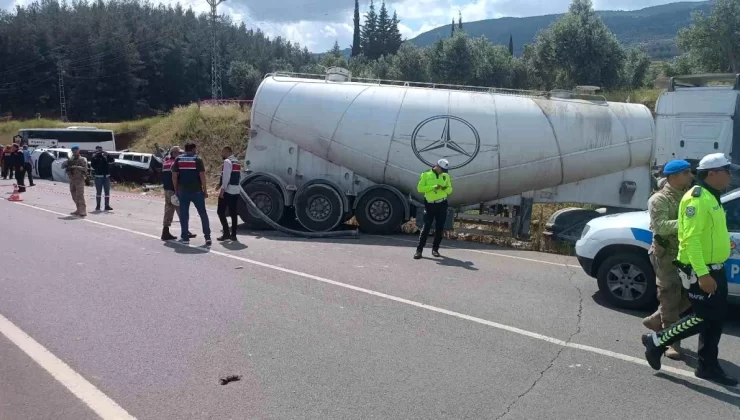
(427, 181)
(702, 231)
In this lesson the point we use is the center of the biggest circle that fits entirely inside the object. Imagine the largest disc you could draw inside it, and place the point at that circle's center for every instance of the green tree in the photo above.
(356, 39)
(636, 67)
(335, 50)
(412, 63)
(383, 31)
(511, 45)
(244, 78)
(579, 49)
(715, 39)
(369, 35)
(394, 39)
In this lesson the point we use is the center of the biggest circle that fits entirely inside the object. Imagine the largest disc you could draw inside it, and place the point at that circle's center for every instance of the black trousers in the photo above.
(19, 175)
(29, 170)
(7, 171)
(230, 201)
(437, 213)
(706, 319)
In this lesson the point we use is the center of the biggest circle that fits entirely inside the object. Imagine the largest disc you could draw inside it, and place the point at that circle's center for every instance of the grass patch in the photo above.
(209, 127)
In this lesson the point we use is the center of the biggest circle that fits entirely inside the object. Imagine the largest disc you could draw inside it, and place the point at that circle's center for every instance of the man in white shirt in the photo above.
(228, 194)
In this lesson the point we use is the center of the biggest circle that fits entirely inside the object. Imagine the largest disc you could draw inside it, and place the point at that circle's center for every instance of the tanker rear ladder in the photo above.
(555, 93)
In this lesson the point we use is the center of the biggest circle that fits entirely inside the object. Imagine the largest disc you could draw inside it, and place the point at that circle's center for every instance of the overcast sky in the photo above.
(316, 24)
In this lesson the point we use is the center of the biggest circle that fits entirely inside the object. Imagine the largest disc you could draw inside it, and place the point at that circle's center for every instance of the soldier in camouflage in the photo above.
(663, 209)
(76, 169)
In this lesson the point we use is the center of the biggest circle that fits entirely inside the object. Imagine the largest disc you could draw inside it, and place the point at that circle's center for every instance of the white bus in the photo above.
(86, 137)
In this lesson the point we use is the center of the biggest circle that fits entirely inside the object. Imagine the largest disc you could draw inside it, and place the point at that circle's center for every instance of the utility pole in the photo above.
(215, 56)
(62, 99)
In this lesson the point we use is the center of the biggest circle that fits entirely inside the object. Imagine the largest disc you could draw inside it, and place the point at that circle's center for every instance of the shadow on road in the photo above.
(732, 320)
(453, 262)
(186, 250)
(70, 217)
(733, 399)
(233, 246)
(401, 240)
(730, 368)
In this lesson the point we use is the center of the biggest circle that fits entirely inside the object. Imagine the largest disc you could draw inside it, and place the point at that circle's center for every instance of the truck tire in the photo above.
(268, 198)
(634, 287)
(319, 208)
(379, 212)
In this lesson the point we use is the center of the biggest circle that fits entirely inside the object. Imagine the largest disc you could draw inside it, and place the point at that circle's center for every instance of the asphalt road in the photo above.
(99, 318)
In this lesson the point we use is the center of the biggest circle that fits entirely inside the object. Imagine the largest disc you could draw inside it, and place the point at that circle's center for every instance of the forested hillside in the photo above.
(122, 59)
(125, 59)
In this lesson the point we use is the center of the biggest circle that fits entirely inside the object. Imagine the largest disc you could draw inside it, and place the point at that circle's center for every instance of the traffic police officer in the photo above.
(436, 186)
(704, 246)
(663, 210)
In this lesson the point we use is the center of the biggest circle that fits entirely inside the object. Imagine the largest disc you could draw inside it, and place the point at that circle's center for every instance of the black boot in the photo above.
(653, 353)
(97, 203)
(191, 235)
(166, 235)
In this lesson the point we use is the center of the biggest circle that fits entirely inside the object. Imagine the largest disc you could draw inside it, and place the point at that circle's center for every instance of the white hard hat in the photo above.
(444, 164)
(713, 161)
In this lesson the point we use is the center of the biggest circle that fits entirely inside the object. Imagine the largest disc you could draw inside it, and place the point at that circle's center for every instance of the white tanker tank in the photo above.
(333, 149)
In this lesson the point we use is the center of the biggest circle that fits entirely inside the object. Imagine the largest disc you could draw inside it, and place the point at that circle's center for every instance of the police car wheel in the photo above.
(380, 212)
(268, 199)
(627, 280)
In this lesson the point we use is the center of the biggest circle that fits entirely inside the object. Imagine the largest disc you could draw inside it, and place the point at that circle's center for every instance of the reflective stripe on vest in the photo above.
(236, 169)
(188, 169)
(167, 165)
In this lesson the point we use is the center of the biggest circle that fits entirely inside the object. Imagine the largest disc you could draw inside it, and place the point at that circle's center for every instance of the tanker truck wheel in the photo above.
(319, 208)
(268, 199)
(379, 212)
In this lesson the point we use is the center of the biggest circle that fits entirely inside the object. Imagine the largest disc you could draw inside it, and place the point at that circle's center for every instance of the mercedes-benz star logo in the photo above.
(459, 148)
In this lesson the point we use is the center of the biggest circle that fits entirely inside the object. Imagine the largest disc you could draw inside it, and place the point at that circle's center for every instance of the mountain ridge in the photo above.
(655, 27)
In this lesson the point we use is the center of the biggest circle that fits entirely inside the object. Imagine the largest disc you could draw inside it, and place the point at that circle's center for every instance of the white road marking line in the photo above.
(515, 330)
(73, 381)
(495, 254)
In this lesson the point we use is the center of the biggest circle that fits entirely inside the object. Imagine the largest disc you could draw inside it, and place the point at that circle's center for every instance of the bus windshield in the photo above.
(87, 139)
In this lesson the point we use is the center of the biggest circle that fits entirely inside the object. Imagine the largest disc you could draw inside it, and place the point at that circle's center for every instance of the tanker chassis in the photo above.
(323, 148)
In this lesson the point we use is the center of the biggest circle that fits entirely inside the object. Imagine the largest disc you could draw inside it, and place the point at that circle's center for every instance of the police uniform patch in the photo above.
(690, 211)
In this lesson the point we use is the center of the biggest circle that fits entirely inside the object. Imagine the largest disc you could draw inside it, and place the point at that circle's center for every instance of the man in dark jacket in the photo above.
(101, 165)
(15, 162)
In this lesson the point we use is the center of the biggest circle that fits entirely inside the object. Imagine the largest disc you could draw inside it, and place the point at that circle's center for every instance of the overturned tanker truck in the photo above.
(325, 148)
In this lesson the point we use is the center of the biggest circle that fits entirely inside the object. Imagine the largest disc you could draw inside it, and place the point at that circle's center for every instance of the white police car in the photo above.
(614, 250)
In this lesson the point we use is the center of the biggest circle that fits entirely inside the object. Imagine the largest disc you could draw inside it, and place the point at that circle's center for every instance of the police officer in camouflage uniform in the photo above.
(76, 169)
(663, 209)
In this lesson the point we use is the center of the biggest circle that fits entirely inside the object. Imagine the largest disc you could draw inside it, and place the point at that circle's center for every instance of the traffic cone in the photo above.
(15, 196)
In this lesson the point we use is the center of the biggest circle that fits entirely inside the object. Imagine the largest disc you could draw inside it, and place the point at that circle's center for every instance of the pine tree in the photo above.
(394, 35)
(356, 42)
(369, 34)
(384, 29)
(452, 28)
(511, 45)
(459, 20)
(335, 50)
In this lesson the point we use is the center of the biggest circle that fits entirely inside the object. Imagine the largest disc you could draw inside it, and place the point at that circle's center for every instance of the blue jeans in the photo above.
(102, 182)
(199, 201)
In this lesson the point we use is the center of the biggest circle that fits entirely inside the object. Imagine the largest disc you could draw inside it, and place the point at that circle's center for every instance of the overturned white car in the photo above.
(614, 250)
